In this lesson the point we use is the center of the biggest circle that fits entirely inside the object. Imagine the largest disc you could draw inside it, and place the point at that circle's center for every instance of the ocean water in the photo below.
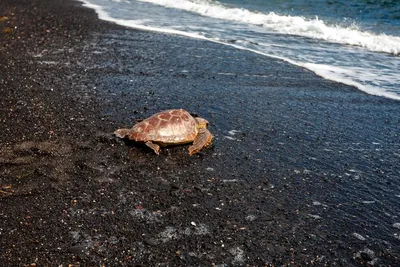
(355, 42)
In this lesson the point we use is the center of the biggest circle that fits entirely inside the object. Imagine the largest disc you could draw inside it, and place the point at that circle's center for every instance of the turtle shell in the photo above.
(175, 126)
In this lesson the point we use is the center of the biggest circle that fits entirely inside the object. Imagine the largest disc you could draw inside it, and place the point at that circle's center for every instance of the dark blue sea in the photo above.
(355, 42)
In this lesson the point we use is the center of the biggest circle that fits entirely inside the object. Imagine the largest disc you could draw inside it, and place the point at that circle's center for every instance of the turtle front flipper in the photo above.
(203, 139)
(153, 146)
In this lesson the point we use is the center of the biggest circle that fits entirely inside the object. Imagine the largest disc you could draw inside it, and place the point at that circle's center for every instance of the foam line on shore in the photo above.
(321, 70)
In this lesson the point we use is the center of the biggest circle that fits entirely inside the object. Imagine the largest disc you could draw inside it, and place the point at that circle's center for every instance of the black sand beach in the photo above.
(302, 171)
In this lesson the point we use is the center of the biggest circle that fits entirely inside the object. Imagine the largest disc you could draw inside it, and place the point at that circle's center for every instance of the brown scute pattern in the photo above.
(177, 112)
(167, 127)
(176, 119)
(164, 116)
(152, 121)
(163, 124)
(185, 117)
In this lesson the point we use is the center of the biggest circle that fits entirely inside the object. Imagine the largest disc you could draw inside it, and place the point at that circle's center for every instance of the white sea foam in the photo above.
(324, 60)
(339, 74)
(312, 28)
(344, 75)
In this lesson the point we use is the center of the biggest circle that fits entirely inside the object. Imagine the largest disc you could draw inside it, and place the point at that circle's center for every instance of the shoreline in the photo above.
(315, 68)
(301, 171)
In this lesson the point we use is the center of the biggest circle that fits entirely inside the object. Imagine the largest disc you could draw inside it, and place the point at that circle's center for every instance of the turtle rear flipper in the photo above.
(121, 133)
(203, 139)
(153, 146)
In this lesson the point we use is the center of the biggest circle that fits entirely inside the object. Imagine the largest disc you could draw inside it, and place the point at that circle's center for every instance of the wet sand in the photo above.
(302, 171)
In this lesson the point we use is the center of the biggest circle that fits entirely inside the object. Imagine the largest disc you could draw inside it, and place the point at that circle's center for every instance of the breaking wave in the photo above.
(293, 25)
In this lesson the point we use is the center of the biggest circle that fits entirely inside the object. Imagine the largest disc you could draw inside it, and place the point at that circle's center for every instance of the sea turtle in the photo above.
(170, 127)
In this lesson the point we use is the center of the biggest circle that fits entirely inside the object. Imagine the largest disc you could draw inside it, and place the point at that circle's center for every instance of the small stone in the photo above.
(366, 255)
(250, 217)
(359, 237)
(151, 242)
(78, 249)
(314, 216)
(396, 225)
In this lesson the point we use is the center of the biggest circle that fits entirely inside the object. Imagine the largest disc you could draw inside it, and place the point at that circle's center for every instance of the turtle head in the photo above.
(121, 133)
(201, 123)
